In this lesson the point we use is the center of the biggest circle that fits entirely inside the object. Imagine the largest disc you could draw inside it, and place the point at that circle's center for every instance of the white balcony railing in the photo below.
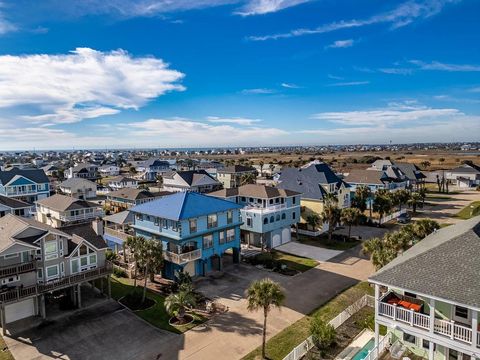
(117, 234)
(84, 216)
(442, 327)
(184, 258)
(264, 210)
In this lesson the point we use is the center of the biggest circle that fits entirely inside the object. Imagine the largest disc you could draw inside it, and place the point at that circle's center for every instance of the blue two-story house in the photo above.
(268, 213)
(27, 185)
(196, 231)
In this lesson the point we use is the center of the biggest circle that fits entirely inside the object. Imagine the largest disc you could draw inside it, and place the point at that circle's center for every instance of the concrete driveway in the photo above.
(308, 251)
(107, 331)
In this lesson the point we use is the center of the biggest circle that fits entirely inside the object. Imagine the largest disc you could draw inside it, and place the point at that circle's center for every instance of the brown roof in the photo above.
(236, 169)
(256, 191)
(136, 194)
(358, 176)
(63, 203)
(13, 203)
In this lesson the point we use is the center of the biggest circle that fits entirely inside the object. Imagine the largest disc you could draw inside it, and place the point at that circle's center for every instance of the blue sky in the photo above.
(189, 73)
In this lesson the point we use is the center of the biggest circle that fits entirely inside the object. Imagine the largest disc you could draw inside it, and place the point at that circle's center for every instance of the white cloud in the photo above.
(396, 71)
(290, 86)
(83, 84)
(350, 83)
(405, 122)
(233, 120)
(393, 115)
(402, 15)
(194, 133)
(435, 65)
(259, 7)
(258, 91)
(334, 77)
(341, 44)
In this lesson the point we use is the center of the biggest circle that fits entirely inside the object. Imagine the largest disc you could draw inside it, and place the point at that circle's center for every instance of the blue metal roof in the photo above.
(184, 205)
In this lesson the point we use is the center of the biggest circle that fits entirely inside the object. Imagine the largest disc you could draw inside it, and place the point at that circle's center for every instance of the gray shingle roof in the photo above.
(63, 203)
(358, 176)
(36, 175)
(255, 190)
(13, 203)
(307, 181)
(444, 265)
(77, 182)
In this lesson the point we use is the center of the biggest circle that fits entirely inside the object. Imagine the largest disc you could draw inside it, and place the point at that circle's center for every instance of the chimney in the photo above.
(97, 226)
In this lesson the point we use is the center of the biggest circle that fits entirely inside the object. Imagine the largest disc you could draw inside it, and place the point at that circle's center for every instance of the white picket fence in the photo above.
(392, 216)
(300, 350)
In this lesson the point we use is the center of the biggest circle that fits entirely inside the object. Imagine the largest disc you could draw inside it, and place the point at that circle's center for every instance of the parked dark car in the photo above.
(404, 218)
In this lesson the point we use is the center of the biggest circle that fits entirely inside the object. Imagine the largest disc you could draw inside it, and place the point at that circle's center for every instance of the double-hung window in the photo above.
(230, 235)
(51, 250)
(229, 216)
(193, 225)
(212, 221)
(208, 241)
(52, 272)
(221, 237)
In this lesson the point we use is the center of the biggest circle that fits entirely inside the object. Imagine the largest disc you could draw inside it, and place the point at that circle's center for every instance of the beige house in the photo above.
(231, 176)
(61, 210)
(78, 188)
(37, 259)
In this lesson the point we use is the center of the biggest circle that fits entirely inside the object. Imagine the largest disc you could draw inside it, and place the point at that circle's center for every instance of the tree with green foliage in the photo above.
(323, 334)
(264, 295)
(248, 178)
(150, 257)
(313, 220)
(382, 203)
(135, 244)
(360, 198)
(178, 303)
(350, 217)
(415, 201)
(331, 214)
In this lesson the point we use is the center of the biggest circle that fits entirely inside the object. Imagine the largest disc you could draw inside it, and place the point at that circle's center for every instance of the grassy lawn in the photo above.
(294, 262)
(156, 315)
(469, 211)
(437, 196)
(322, 241)
(281, 344)
(4, 354)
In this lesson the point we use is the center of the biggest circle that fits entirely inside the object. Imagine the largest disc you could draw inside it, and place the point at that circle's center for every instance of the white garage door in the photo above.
(276, 240)
(19, 310)
(189, 268)
(286, 236)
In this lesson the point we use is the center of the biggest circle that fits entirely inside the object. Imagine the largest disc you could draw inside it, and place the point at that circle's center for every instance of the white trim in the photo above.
(52, 277)
(423, 294)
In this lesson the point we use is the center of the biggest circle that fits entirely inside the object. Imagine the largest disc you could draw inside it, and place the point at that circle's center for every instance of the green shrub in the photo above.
(118, 272)
(323, 333)
(110, 255)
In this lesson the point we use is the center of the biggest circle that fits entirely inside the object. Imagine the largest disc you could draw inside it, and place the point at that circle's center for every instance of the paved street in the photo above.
(443, 210)
(308, 251)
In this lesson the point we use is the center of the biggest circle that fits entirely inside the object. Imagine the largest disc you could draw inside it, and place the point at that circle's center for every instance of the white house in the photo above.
(121, 182)
(109, 170)
(79, 188)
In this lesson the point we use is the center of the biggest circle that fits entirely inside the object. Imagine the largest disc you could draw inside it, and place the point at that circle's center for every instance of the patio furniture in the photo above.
(397, 349)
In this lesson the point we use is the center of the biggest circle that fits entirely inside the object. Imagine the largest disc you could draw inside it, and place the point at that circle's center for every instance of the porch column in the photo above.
(101, 286)
(109, 288)
(377, 325)
(431, 353)
(432, 316)
(236, 255)
(474, 330)
(2, 320)
(79, 296)
(43, 312)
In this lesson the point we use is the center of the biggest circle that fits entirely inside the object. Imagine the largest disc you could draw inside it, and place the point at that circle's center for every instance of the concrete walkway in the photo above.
(308, 251)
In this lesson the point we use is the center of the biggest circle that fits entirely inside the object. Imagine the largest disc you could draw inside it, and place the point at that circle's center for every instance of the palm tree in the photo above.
(424, 227)
(177, 304)
(261, 163)
(362, 194)
(350, 216)
(135, 244)
(151, 258)
(331, 215)
(425, 164)
(414, 201)
(247, 178)
(264, 294)
(423, 194)
(401, 197)
(313, 220)
(382, 203)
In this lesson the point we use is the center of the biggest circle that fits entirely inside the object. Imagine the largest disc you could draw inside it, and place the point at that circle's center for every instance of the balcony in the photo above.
(18, 293)
(183, 258)
(17, 269)
(81, 217)
(21, 192)
(407, 310)
(117, 234)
